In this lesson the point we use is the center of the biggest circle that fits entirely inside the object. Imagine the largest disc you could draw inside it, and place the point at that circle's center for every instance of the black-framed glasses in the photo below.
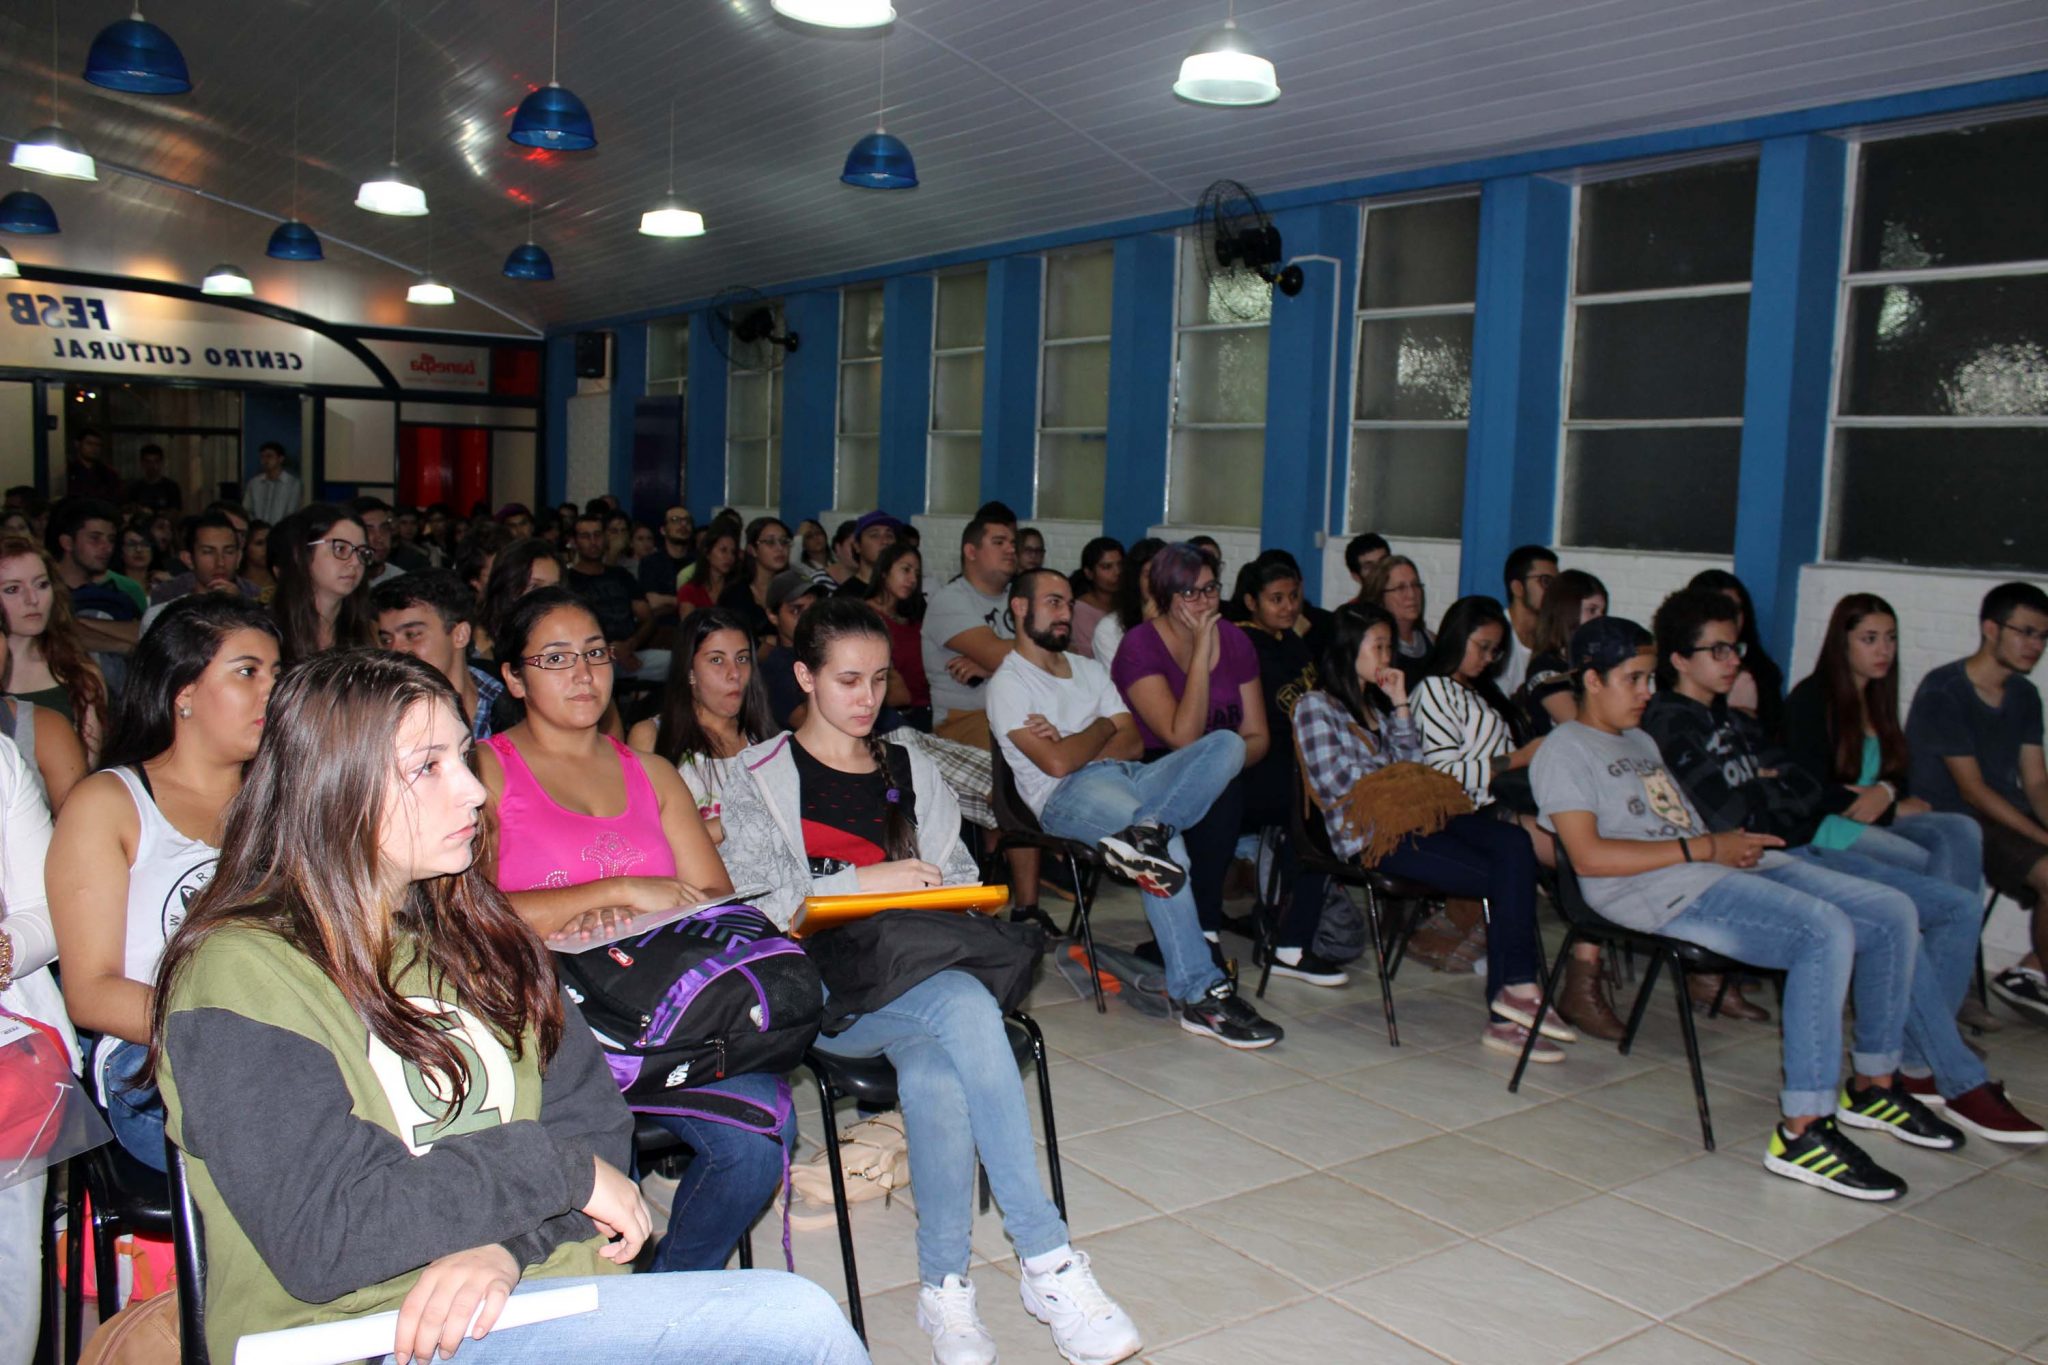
(782, 542)
(2026, 633)
(1541, 580)
(557, 659)
(346, 549)
(1208, 590)
(1720, 649)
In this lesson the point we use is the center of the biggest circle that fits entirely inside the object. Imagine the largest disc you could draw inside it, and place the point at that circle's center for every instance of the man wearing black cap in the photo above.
(872, 534)
(1646, 860)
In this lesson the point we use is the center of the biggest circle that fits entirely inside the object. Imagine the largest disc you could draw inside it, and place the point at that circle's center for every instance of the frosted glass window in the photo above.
(857, 472)
(860, 324)
(962, 310)
(959, 337)
(1955, 348)
(1075, 394)
(1222, 376)
(1668, 230)
(1973, 196)
(954, 478)
(1216, 478)
(1072, 468)
(860, 471)
(1418, 255)
(1073, 391)
(1673, 357)
(1411, 480)
(1216, 464)
(956, 392)
(1077, 294)
(1416, 368)
(1652, 488)
(753, 422)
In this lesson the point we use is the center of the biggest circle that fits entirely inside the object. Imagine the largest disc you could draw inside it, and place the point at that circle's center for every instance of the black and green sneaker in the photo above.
(1824, 1156)
(1898, 1113)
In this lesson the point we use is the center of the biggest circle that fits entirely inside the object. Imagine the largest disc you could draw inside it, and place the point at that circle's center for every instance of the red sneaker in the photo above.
(1986, 1112)
(1921, 1088)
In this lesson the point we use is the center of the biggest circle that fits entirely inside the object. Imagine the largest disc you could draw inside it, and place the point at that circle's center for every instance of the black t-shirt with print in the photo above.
(844, 814)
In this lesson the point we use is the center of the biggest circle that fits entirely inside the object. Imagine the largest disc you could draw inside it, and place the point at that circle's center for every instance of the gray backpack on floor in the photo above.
(1340, 933)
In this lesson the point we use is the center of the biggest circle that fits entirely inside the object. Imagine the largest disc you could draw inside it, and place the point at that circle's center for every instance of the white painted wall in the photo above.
(588, 438)
(512, 467)
(1637, 582)
(1438, 562)
(17, 434)
(360, 437)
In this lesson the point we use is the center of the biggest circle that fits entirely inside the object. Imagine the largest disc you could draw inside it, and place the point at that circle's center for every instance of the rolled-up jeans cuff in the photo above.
(1799, 1104)
(1875, 1063)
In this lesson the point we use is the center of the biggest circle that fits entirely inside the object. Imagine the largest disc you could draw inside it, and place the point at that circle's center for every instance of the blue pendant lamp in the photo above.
(293, 240)
(136, 56)
(27, 213)
(880, 161)
(551, 117)
(527, 261)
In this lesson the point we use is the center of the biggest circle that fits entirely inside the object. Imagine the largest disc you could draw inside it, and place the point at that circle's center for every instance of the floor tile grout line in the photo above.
(1771, 1268)
(1920, 1313)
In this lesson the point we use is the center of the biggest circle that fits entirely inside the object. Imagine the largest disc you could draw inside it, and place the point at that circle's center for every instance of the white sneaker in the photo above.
(1087, 1326)
(946, 1315)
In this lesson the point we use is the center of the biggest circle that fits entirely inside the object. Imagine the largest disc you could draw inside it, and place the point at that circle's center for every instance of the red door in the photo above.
(449, 465)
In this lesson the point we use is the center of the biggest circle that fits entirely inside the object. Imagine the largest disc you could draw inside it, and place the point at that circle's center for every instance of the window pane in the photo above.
(1076, 392)
(664, 388)
(954, 474)
(859, 465)
(746, 473)
(1668, 230)
(963, 311)
(1221, 376)
(1421, 254)
(1963, 348)
(1077, 294)
(1415, 369)
(1652, 489)
(1985, 511)
(1070, 476)
(775, 402)
(860, 323)
(668, 350)
(772, 495)
(1408, 483)
(956, 393)
(1660, 358)
(747, 406)
(1216, 477)
(1967, 197)
(1213, 293)
(860, 398)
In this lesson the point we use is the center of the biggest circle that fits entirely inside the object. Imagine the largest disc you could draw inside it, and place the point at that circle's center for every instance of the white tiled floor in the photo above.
(1333, 1199)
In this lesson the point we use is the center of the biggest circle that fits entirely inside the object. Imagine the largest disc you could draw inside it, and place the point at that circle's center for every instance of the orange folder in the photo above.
(827, 912)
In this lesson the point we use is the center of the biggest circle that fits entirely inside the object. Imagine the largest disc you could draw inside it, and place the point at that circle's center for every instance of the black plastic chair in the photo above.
(125, 1195)
(1017, 827)
(188, 1241)
(871, 1083)
(1583, 923)
(2019, 896)
(658, 1151)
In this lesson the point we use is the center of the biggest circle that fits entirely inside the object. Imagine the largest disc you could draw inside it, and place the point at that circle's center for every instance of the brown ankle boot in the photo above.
(1583, 1001)
(1705, 988)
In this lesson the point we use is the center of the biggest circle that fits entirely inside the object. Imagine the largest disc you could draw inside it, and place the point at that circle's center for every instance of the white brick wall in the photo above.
(1637, 583)
(1436, 560)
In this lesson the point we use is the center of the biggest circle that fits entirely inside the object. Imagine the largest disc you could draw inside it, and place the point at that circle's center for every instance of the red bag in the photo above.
(44, 1115)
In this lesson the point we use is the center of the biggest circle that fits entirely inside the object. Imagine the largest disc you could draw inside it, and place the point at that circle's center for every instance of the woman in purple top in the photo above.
(1185, 673)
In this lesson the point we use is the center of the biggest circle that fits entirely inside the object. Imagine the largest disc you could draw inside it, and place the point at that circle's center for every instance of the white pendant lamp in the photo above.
(836, 13)
(1225, 70)
(8, 269)
(50, 149)
(228, 280)
(393, 194)
(668, 218)
(428, 289)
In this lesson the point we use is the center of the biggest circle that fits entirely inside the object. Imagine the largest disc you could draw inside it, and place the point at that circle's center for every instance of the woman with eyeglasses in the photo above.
(1394, 585)
(768, 546)
(140, 559)
(321, 556)
(1187, 672)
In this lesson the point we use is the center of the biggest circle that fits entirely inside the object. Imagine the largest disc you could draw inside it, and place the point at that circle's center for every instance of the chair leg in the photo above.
(1983, 981)
(1084, 896)
(1409, 921)
(1564, 954)
(986, 1197)
(75, 1236)
(747, 1249)
(50, 1300)
(1690, 1033)
(826, 1122)
(1052, 1136)
(106, 1266)
(1379, 959)
(1635, 1014)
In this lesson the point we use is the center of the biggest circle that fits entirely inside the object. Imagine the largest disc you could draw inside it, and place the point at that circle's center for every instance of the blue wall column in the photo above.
(629, 386)
(704, 422)
(1140, 386)
(908, 302)
(1794, 275)
(810, 405)
(1306, 372)
(1525, 226)
(1009, 386)
(559, 387)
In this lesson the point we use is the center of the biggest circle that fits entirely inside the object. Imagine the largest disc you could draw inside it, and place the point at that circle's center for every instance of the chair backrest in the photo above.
(188, 1240)
(1311, 834)
(1005, 801)
(1571, 897)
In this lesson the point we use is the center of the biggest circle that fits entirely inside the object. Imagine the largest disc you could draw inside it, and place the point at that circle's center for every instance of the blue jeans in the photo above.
(1176, 791)
(732, 1175)
(1940, 843)
(957, 1080)
(1947, 921)
(21, 1268)
(763, 1317)
(1760, 919)
(134, 1111)
(1478, 856)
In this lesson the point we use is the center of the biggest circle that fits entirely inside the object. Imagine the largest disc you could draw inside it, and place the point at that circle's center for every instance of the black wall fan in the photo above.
(1239, 245)
(743, 321)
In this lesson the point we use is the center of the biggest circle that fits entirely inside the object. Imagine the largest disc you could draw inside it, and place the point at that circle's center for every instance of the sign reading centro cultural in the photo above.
(154, 336)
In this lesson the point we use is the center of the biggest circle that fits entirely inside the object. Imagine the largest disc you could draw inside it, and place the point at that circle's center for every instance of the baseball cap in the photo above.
(1607, 642)
(876, 518)
(789, 585)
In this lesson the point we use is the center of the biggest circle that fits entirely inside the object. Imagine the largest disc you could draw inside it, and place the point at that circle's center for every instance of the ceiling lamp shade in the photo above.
(837, 13)
(1224, 70)
(393, 195)
(670, 219)
(8, 269)
(529, 262)
(880, 161)
(227, 279)
(294, 241)
(428, 290)
(27, 213)
(50, 150)
(136, 56)
(553, 118)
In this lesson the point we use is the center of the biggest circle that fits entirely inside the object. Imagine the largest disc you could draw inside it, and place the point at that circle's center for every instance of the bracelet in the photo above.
(6, 960)
(1685, 848)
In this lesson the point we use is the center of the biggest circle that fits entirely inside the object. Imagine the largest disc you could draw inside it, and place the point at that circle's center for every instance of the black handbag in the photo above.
(870, 962)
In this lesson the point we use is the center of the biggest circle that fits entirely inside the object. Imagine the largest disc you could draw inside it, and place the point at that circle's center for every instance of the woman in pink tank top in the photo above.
(585, 830)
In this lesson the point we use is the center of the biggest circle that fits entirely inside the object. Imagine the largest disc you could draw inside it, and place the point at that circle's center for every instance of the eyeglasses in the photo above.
(2026, 633)
(779, 542)
(1720, 649)
(556, 660)
(346, 549)
(1541, 580)
(1209, 590)
(1403, 587)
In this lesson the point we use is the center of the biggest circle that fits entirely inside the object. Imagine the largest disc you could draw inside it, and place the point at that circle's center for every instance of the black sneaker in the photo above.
(1031, 914)
(1317, 971)
(1824, 1156)
(1222, 1015)
(1138, 854)
(1898, 1113)
(2025, 990)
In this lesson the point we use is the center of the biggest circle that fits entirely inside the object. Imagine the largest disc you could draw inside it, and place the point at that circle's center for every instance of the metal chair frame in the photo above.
(1017, 827)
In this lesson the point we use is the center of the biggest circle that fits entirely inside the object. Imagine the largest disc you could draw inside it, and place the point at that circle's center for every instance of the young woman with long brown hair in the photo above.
(50, 665)
(438, 1130)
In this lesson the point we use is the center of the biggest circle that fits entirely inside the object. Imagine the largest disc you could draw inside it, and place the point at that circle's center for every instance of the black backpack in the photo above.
(682, 1007)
